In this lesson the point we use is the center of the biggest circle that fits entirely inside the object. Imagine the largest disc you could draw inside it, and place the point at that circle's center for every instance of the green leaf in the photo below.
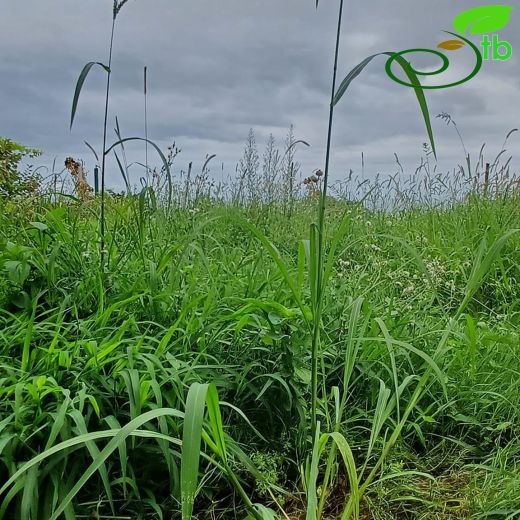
(59, 421)
(79, 86)
(123, 174)
(421, 98)
(303, 374)
(350, 465)
(484, 19)
(91, 148)
(215, 419)
(124, 171)
(191, 440)
(412, 76)
(262, 512)
(482, 265)
(351, 76)
(17, 271)
(312, 497)
(40, 226)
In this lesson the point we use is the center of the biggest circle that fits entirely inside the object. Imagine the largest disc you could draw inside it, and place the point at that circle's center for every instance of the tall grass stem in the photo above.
(103, 160)
(321, 241)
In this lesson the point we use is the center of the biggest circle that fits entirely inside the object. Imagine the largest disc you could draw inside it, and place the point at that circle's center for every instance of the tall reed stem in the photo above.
(103, 161)
(321, 240)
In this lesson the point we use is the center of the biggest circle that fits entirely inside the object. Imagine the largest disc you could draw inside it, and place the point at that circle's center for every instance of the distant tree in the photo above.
(13, 180)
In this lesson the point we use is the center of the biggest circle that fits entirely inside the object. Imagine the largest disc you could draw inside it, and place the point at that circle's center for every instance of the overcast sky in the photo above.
(219, 67)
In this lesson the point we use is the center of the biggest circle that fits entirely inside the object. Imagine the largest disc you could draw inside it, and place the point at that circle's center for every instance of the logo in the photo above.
(485, 21)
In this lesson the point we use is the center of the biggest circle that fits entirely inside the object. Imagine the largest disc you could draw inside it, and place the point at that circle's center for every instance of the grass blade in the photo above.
(79, 85)
(191, 440)
(166, 166)
(409, 71)
(312, 497)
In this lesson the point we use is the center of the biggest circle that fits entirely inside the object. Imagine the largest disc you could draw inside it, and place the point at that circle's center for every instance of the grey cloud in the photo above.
(218, 68)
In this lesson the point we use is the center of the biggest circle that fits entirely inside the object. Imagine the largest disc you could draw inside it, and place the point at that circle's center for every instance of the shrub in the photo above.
(13, 180)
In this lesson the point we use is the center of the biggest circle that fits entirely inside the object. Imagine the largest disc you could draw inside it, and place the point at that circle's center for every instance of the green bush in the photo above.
(13, 180)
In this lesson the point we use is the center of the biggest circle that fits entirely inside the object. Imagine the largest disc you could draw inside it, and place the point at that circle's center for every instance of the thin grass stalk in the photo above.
(103, 160)
(146, 120)
(321, 241)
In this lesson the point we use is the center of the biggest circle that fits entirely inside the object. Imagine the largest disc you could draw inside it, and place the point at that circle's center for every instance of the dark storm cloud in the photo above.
(217, 68)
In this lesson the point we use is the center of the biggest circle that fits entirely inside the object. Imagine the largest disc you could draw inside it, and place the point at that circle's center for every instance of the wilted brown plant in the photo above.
(82, 187)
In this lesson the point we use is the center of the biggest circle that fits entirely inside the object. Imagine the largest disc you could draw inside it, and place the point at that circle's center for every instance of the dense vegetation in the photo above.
(197, 295)
(247, 350)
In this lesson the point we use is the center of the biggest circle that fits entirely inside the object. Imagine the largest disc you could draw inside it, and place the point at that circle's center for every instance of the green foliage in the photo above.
(269, 465)
(336, 371)
(191, 299)
(13, 181)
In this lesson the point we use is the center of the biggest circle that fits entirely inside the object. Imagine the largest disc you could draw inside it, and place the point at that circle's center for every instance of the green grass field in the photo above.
(418, 375)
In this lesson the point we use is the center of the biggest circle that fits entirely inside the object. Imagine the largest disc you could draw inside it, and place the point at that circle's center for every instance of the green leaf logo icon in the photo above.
(485, 19)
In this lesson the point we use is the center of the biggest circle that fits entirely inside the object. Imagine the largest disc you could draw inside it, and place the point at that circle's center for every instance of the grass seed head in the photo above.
(118, 6)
